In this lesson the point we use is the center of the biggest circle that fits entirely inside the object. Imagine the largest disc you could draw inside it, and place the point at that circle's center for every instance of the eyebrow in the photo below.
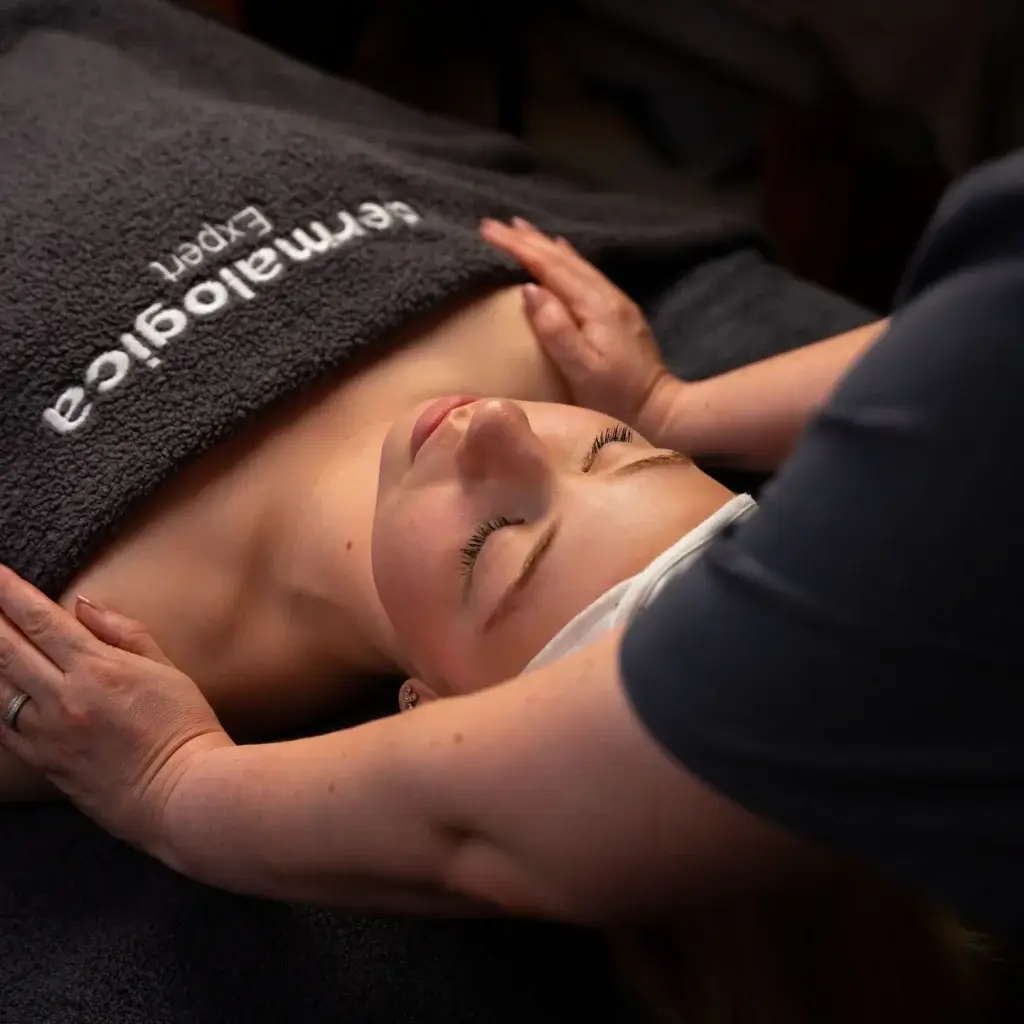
(522, 578)
(661, 459)
(543, 543)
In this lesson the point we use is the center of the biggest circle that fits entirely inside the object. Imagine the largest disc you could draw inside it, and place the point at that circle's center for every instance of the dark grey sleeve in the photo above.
(848, 662)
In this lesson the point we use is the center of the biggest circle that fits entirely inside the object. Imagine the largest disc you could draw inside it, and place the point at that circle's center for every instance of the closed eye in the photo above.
(471, 551)
(544, 543)
(619, 434)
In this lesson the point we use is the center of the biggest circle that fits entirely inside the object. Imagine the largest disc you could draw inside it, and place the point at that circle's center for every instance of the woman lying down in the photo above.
(506, 533)
(269, 392)
(410, 520)
(237, 296)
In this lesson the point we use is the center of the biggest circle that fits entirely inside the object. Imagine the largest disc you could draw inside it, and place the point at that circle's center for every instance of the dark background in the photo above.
(801, 116)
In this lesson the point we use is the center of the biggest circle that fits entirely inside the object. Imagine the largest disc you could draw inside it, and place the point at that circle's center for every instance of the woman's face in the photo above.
(498, 521)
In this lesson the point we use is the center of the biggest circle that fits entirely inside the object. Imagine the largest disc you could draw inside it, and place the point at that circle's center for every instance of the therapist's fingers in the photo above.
(23, 668)
(18, 739)
(118, 630)
(562, 252)
(44, 625)
(579, 284)
(555, 328)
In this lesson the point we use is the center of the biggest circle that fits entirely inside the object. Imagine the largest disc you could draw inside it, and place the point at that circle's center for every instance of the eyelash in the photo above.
(620, 434)
(472, 550)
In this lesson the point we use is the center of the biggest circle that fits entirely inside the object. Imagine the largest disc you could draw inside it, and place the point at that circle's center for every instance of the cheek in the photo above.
(414, 573)
(401, 566)
(416, 537)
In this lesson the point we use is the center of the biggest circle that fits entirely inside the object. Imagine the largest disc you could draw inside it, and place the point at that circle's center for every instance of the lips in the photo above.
(432, 417)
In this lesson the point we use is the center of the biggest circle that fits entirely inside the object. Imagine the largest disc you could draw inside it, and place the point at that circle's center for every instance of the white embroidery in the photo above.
(246, 225)
(263, 265)
(303, 246)
(206, 298)
(158, 325)
(161, 323)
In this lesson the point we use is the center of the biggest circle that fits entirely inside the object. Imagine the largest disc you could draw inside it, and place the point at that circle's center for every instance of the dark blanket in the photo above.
(148, 157)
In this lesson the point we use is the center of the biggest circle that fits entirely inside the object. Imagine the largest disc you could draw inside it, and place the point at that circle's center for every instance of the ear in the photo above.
(414, 692)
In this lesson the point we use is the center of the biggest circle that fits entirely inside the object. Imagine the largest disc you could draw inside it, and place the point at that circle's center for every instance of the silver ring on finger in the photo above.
(14, 706)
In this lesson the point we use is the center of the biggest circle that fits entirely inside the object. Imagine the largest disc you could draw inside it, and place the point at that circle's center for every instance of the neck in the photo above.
(320, 567)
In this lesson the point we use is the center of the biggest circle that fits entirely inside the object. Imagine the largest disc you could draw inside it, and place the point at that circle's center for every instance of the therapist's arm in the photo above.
(752, 417)
(601, 342)
(541, 796)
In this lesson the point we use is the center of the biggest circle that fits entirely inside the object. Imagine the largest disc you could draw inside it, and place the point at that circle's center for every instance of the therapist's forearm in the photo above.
(305, 821)
(751, 418)
(542, 796)
(476, 804)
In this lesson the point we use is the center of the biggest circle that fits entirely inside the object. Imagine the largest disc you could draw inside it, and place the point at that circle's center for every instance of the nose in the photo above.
(498, 443)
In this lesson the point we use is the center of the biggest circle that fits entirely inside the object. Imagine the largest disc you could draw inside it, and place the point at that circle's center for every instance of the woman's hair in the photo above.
(850, 952)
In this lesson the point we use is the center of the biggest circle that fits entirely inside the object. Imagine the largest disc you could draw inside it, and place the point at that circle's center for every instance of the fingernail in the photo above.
(531, 296)
(95, 605)
(548, 315)
(521, 222)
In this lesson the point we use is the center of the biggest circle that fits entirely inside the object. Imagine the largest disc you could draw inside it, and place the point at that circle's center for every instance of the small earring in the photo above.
(409, 695)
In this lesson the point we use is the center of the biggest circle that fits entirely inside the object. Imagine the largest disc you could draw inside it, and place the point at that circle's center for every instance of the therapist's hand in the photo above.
(110, 721)
(596, 335)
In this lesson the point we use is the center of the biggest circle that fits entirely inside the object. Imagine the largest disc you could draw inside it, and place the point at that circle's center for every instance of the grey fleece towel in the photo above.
(193, 227)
